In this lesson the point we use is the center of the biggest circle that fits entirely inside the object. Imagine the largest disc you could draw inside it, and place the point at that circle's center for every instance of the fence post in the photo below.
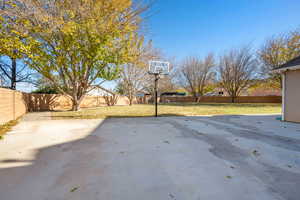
(14, 104)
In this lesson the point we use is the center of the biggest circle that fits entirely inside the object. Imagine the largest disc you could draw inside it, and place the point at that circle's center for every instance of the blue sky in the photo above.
(197, 27)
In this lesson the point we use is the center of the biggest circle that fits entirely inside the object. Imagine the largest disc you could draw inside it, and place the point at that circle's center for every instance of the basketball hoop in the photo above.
(157, 68)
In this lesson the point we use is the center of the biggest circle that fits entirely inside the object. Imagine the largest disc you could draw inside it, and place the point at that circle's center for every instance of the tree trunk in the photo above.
(232, 99)
(111, 100)
(196, 96)
(75, 104)
(280, 81)
(13, 73)
(130, 97)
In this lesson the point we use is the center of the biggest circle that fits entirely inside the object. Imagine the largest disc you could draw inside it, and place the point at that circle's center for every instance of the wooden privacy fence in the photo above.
(46, 102)
(14, 104)
(222, 99)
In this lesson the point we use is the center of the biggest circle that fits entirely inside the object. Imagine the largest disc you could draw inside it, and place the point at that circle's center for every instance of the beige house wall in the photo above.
(292, 96)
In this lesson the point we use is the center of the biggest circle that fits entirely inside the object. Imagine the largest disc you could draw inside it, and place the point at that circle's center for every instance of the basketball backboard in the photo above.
(159, 67)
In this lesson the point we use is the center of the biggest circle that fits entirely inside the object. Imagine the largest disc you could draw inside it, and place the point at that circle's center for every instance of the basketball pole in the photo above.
(155, 88)
(156, 68)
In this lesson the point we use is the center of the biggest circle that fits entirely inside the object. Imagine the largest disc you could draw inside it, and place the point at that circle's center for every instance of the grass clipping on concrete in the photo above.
(171, 109)
(7, 127)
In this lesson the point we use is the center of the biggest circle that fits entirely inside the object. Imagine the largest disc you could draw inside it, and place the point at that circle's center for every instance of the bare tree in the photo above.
(136, 79)
(165, 84)
(134, 76)
(131, 82)
(195, 74)
(3, 79)
(277, 51)
(237, 69)
(110, 97)
(15, 72)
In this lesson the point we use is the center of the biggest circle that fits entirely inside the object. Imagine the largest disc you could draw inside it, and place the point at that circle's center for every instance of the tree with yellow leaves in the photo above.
(277, 51)
(76, 43)
(12, 48)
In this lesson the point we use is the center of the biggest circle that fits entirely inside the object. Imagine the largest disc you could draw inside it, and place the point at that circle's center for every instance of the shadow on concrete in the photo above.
(62, 166)
(14, 160)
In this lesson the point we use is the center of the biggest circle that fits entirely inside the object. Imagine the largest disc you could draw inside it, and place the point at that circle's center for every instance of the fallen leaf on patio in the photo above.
(255, 152)
(172, 196)
(74, 189)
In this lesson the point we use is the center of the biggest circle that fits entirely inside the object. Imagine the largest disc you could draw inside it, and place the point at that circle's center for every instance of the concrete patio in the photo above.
(182, 158)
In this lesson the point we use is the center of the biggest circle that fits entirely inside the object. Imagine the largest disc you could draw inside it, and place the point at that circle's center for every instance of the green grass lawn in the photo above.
(174, 109)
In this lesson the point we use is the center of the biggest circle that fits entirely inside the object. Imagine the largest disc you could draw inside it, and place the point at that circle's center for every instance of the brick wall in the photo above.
(13, 104)
(222, 99)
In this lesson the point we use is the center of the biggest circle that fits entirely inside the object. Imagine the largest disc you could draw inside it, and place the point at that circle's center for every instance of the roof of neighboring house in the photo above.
(6, 87)
(290, 65)
(173, 94)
